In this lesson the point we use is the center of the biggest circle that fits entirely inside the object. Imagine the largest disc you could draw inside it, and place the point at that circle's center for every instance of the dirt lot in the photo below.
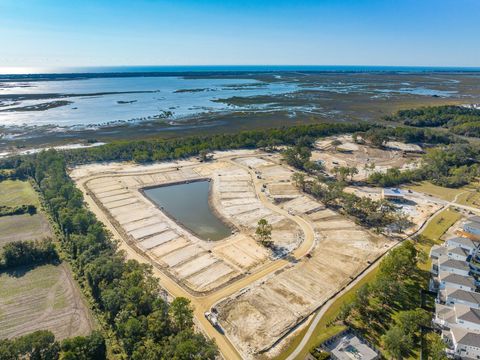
(200, 266)
(360, 156)
(43, 298)
(257, 318)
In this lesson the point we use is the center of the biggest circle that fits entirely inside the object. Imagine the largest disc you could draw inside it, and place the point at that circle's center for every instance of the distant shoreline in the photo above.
(69, 73)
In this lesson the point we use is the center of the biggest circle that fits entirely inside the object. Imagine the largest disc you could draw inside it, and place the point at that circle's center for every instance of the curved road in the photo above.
(204, 303)
(327, 305)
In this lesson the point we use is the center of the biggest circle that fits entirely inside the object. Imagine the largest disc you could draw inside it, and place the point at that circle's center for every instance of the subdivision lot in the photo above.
(200, 266)
(257, 318)
(365, 158)
(42, 298)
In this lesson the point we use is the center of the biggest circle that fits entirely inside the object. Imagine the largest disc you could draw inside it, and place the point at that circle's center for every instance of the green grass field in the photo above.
(437, 191)
(16, 193)
(21, 227)
(42, 298)
(471, 198)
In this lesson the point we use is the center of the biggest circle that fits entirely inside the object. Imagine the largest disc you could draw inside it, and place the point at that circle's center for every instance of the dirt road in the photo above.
(202, 304)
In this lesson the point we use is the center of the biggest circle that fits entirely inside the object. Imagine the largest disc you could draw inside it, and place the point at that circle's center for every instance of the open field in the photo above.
(21, 227)
(42, 298)
(17, 193)
(441, 192)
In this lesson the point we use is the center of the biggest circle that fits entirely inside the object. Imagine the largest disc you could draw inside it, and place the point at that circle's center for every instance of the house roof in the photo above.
(393, 192)
(438, 250)
(468, 296)
(444, 312)
(457, 250)
(474, 218)
(462, 242)
(473, 225)
(469, 314)
(456, 279)
(465, 337)
(452, 263)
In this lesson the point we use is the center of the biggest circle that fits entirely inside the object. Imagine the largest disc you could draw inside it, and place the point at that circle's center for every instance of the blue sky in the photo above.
(211, 32)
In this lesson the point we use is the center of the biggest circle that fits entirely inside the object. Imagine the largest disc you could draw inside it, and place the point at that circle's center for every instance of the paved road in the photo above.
(204, 303)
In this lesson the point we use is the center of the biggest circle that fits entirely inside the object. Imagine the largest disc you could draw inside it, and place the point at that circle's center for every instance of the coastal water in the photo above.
(188, 204)
(105, 100)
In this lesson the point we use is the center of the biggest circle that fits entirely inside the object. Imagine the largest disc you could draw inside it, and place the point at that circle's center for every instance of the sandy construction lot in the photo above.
(198, 265)
(257, 318)
(359, 155)
(258, 297)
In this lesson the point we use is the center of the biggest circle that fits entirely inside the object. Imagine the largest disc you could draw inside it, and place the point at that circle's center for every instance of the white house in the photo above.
(458, 315)
(457, 253)
(444, 263)
(463, 242)
(465, 343)
(451, 296)
(455, 281)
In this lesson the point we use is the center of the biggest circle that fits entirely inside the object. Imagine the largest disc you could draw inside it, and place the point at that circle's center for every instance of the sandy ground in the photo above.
(255, 319)
(417, 206)
(199, 265)
(259, 299)
(360, 156)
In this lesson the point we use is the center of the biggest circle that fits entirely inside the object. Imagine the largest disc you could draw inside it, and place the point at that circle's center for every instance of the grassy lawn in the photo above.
(431, 235)
(437, 191)
(16, 193)
(441, 223)
(471, 198)
(21, 227)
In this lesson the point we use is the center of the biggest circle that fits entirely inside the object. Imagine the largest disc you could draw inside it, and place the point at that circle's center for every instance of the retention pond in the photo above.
(188, 204)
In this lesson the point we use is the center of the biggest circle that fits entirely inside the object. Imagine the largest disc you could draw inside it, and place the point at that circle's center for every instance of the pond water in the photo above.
(188, 204)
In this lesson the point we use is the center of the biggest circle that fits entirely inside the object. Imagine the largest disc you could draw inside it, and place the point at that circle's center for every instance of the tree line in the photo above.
(41, 345)
(17, 210)
(387, 310)
(22, 253)
(457, 119)
(452, 165)
(125, 294)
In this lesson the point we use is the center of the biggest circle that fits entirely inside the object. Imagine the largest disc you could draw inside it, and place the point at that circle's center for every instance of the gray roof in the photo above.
(458, 251)
(438, 250)
(469, 296)
(457, 279)
(470, 339)
(472, 315)
(462, 241)
(455, 264)
(474, 218)
(473, 224)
